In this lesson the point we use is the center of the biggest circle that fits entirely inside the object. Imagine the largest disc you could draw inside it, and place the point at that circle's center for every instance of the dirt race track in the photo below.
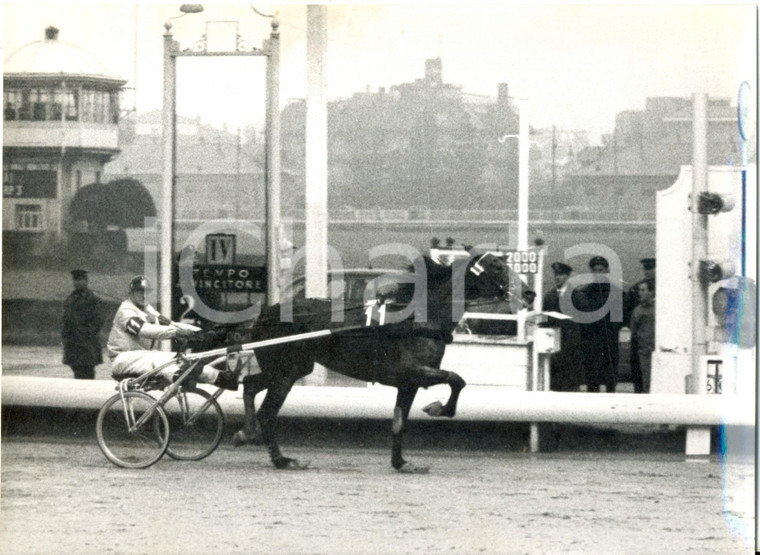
(60, 495)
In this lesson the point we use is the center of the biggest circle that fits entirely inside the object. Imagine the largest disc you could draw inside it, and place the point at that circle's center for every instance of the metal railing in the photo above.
(423, 215)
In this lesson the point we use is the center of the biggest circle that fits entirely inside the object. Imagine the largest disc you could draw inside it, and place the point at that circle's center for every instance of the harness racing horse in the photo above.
(401, 348)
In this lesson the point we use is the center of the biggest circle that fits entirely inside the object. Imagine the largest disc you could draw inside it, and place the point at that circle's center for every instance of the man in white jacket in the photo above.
(136, 327)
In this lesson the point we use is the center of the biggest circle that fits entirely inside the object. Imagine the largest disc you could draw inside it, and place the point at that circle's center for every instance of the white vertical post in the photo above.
(316, 151)
(699, 242)
(166, 213)
(273, 165)
(522, 194)
(698, 437)
(523, 175)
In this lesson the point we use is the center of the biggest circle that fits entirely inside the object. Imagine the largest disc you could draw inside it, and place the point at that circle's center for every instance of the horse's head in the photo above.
(489, 277)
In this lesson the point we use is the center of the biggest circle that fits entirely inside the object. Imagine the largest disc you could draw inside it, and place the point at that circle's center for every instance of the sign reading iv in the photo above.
(220, 248)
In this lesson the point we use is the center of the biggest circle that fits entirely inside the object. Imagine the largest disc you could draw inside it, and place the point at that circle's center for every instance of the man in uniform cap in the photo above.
(137, 326)
(561, 269)
(648, 266)
(566, 365)
(599, 338)
(82, 320)
(599, 265)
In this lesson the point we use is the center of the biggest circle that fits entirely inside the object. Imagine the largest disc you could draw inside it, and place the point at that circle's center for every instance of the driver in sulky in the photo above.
(137, 327)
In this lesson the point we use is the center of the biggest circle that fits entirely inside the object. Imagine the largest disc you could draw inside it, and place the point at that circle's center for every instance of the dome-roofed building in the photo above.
(60, 126)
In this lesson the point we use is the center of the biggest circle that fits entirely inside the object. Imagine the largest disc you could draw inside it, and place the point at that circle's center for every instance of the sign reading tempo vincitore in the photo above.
(229, 278)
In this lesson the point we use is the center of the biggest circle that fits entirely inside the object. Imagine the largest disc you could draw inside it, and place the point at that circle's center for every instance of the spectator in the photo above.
(631, 302)
(642, 331)
(136, 327)
(566, 365)
(10, 112)
(82, 320)
(599, 339)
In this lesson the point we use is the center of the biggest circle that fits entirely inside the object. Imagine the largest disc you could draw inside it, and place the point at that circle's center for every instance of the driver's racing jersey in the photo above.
(136, 329)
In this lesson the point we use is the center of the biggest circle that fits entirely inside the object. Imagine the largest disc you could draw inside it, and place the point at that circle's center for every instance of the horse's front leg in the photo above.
(404, 400)
(428, 376)
(250, 433)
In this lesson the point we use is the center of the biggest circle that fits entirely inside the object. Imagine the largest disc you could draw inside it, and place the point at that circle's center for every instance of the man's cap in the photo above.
(648, 263)
(561, 268)
(597, 261)
(78, 274)
(139, 283)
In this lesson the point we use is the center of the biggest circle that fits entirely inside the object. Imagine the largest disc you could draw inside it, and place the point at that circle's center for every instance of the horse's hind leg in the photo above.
(404, 400)
(427, 376)
(267, 416)
(250, 433)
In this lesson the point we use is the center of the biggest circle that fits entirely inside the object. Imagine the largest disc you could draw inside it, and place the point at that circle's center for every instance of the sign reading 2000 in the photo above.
(522, 262)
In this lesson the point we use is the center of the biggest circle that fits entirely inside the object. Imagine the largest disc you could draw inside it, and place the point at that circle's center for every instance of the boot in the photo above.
(227, 380)
(192, 377)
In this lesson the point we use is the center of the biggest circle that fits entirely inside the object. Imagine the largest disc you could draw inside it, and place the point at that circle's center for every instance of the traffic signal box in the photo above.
(730, 321)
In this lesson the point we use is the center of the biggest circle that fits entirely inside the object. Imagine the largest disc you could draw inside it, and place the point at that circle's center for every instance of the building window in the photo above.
(71, 102)
(41, 104)
(25, 109)
(113, 98)
(29, 217)
(29, 182)
(12, 103)
(88, 106)
(56, 108)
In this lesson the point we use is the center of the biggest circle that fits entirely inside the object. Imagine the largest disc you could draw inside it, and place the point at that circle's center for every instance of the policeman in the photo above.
(648, 266)
(567, 364)
(599, 338)
(82, 320)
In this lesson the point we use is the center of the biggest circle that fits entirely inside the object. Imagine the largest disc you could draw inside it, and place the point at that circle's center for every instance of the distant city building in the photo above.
(425, 146)
(219, 172)
(60, 126)
(644, 154)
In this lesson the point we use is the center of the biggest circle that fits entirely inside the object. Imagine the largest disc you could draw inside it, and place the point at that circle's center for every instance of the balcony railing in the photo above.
(424, 215)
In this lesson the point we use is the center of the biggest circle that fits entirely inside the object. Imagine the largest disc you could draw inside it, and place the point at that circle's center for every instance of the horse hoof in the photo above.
(434, 409)
(409, 468)
(240, 438)
(290, 464)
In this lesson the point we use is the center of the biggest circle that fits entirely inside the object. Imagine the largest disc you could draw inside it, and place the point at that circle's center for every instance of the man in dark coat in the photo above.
(82, 320)
(566, 365)
(631, 302)
(599, 337)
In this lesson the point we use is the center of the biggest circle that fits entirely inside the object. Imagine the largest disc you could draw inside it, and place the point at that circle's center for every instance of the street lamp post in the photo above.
(523, 176)
(172, 51)
(523, 191)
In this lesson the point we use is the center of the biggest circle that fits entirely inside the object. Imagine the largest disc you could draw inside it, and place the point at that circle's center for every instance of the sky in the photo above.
(578, 64)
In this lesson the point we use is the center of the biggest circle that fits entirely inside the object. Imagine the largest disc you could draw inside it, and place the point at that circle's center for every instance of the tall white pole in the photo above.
(699, 241)
(273, 165)
(522, 194)
(169, 152)
(698, 437)
(524, 174)
(316, 151)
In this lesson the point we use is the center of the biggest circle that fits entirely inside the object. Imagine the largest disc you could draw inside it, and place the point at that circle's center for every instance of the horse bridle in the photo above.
(478, 270)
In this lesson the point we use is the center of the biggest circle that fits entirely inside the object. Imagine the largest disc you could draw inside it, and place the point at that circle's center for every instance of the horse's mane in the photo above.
(435, 270)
